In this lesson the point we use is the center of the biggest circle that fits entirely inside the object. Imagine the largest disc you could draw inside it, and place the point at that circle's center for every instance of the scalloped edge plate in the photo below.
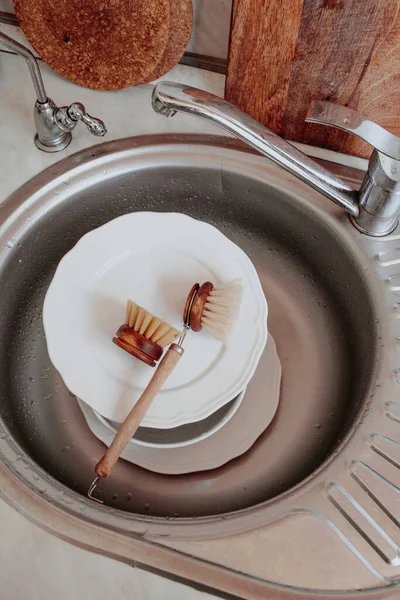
(237, 436)
(154, 259)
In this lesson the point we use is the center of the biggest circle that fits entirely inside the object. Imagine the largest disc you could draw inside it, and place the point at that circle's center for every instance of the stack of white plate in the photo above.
(202, 418)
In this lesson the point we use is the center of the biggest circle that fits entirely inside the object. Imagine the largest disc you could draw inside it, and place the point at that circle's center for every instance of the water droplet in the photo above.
(66, 449)
(129, 496)
(147, 506)
(317, 426)
(115, 496)
(47, 397)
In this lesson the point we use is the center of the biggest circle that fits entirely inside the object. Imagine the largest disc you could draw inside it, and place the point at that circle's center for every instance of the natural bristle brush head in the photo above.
(144, 335)
(214, 308)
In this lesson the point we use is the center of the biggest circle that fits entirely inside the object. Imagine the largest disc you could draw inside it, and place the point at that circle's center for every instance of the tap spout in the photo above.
(169, 98)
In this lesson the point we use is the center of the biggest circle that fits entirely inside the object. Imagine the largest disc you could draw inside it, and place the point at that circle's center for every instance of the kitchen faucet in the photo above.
(374, 208)
(53, 124)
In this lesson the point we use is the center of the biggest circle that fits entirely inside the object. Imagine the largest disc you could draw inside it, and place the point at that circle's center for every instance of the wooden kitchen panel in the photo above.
(284, 53)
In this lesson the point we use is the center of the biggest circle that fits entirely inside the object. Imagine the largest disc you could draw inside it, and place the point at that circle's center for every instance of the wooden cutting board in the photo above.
(101, 44)
(284, 53)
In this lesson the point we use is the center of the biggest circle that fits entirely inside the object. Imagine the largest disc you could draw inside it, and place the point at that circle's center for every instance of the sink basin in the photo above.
(327, 316)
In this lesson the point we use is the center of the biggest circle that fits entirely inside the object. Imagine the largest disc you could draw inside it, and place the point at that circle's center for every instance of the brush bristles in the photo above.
(221, 309)
(152, 327)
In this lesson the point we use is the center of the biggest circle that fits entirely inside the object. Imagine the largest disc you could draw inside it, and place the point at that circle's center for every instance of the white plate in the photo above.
(154, 259)
(251, 419)
(185, 435)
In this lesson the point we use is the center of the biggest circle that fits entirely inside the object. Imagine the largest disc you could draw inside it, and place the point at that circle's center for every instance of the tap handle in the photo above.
(68, 116)
(350, 120)
(77, 112)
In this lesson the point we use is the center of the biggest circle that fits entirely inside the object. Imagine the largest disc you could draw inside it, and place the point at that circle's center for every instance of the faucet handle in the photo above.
(347, 119)
(379, 194)
(68, 116)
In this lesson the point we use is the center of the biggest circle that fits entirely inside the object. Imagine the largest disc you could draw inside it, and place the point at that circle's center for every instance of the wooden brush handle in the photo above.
(136, 415)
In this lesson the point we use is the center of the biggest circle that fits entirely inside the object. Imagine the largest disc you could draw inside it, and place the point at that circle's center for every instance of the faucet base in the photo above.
(62, 143)
(372, 225)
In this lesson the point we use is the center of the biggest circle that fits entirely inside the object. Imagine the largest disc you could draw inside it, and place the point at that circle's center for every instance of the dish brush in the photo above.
(214, 308)
(143, 335)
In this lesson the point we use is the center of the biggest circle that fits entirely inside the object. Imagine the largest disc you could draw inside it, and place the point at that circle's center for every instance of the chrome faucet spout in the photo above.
(31, 61)
(54, 125)
(169, 98)
(374, 209)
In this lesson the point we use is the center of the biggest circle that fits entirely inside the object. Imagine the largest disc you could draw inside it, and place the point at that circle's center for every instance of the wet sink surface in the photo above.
(322, 316)
(330, 457)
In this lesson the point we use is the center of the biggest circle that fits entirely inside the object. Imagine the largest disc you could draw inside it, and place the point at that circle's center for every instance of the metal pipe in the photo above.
(31, 62)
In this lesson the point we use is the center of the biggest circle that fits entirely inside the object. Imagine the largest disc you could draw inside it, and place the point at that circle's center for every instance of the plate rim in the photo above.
(225, 419)
(165, 465)
(186, 413)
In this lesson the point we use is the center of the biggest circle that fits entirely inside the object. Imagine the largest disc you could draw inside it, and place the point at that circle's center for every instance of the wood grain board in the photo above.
(285, 53)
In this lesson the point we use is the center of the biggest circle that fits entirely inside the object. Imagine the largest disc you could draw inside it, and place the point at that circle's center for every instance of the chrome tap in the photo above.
(53, 124)
(374, 208)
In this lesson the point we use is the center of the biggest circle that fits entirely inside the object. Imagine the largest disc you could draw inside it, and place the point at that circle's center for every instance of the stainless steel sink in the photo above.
(333, 448)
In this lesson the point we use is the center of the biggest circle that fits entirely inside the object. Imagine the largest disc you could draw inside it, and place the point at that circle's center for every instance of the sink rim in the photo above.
(108, 149)
(156, 526)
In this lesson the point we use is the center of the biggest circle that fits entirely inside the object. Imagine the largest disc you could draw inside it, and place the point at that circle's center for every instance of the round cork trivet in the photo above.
(180, 32)
(100, 44)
